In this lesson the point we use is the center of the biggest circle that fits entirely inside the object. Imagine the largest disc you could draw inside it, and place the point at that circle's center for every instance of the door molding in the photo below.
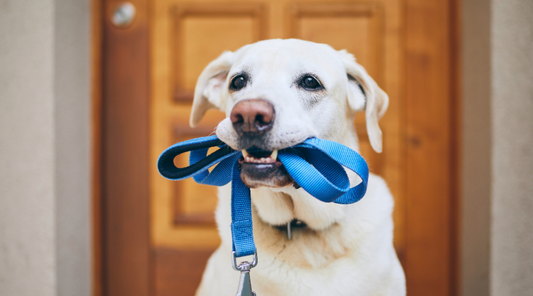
(431, 134)
(123, 257)
(96, 137)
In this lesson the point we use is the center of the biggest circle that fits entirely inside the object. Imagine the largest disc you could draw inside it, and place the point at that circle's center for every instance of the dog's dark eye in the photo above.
(238, 82)
(310, 83)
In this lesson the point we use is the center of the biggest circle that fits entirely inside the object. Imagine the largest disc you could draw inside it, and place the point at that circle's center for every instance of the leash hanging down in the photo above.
(316, 165)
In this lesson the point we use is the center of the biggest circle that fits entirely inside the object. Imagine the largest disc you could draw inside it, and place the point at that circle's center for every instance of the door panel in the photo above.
(200, 33)
(186, 37)
(158, 234)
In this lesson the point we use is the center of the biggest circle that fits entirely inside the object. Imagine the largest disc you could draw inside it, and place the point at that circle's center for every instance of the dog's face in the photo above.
(277, 93)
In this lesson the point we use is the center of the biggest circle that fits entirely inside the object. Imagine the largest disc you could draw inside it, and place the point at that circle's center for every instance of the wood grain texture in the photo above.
(429, 151)
(246, 16)
(179, 272)
(125, 155)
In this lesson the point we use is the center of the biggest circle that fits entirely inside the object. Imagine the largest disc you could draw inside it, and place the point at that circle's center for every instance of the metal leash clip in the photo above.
(245, 285)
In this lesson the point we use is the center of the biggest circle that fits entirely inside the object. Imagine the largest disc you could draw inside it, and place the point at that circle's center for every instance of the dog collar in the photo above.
(315, 164)
(295, 223)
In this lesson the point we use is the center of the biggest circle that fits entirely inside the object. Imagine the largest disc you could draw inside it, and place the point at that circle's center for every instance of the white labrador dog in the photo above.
(277, 93)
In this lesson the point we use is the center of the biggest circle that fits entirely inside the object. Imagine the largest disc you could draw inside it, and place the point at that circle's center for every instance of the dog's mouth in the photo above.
(262, 168)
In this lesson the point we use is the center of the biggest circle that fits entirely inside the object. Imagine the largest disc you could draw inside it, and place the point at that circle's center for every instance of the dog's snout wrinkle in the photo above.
(252, 117)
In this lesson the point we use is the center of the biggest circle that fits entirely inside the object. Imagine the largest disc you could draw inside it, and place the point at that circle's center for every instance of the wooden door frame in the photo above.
(122, 263)
(122, 255)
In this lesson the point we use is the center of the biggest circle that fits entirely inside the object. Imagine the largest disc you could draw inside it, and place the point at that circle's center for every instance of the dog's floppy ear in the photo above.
(208, 93)
(365, 94)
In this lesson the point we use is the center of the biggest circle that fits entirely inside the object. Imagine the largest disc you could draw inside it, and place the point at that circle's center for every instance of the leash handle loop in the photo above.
(199, 161)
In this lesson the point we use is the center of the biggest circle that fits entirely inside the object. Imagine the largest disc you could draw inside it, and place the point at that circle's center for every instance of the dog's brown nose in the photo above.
(252, 117)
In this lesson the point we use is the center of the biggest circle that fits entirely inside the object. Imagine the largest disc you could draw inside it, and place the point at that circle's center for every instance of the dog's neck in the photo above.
(313, 242)
(288, 228)
(328, 230)
(279, 206)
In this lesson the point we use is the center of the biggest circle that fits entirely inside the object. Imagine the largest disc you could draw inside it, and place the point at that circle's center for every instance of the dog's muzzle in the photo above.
(252, 120)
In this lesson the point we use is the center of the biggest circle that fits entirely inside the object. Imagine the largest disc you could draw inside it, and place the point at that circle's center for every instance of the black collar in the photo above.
(295, 223)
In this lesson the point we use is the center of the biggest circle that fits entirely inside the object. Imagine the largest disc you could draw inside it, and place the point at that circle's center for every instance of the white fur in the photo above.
(346, 249)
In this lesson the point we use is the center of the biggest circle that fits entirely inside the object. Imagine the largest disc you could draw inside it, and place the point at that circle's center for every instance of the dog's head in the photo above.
(278, 93)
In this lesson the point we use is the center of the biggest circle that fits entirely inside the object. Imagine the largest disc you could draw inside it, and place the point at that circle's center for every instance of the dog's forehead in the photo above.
(287, 56)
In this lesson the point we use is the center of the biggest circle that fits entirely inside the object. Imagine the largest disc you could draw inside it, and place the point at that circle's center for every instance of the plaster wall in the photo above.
(44, 145)
(27, 158)
(512, 148)
(497, 257)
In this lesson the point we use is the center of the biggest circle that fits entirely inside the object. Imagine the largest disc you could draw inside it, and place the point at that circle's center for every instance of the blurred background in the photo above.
(91, 92)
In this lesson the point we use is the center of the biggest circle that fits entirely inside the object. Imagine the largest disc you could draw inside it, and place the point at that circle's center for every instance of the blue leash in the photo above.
(316, 165)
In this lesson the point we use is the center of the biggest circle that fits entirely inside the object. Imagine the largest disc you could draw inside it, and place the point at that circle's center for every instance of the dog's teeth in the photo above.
(249, 158)
(274, 155)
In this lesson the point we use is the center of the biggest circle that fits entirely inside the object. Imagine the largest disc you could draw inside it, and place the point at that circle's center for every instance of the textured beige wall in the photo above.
(512, 150)
(27, 196)
(497, 252)
(44, 148)
(72, 146)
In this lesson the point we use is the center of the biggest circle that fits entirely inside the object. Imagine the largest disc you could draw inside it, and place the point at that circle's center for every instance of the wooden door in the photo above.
(158, 234)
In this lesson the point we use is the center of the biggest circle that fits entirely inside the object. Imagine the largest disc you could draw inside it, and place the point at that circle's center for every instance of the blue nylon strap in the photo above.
(241, 215)
(315, 164)
(324, 178)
